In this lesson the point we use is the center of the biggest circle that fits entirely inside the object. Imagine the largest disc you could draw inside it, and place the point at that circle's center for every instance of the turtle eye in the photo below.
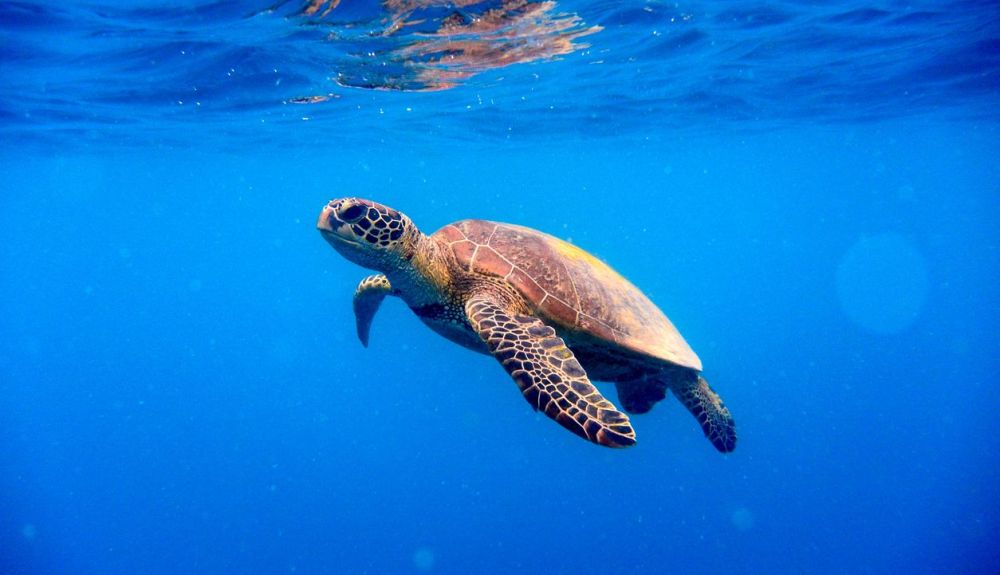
(352, 213)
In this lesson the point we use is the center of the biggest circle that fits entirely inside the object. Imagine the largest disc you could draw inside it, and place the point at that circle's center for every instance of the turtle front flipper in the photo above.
(550, 377)
(367, 298)
(713, 415)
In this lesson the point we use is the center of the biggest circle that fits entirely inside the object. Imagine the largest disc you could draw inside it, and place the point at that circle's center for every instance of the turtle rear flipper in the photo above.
(548, 374)
(707, 407)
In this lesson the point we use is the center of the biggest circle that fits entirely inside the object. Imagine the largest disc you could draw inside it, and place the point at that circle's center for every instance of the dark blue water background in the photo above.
(810, 193)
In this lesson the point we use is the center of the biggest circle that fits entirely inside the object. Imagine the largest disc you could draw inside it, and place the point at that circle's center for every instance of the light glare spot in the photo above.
(742, 519)
(882, 283)
(423, 559)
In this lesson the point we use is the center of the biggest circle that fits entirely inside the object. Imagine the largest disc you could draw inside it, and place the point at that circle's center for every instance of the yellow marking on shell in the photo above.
(571, 252)
(603, 271)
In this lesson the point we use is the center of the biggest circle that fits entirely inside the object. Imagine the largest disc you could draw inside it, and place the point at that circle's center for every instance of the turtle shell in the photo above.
(568, 287)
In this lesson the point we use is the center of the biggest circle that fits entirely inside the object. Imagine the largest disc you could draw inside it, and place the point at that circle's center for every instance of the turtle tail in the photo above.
(640, 396)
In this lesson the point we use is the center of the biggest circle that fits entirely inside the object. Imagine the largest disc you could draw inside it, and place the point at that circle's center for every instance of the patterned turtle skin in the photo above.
(553, 315)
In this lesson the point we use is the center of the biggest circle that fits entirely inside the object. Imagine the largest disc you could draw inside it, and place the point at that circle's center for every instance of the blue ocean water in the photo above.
(809, 192)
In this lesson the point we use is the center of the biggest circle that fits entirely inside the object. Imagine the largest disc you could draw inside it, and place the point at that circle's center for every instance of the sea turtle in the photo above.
(549, 312)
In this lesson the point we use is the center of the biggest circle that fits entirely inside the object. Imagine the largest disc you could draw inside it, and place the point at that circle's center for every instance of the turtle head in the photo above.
(367, 233)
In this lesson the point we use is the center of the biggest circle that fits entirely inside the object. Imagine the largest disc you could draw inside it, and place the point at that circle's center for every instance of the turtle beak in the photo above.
(334, 230)
(328, 222)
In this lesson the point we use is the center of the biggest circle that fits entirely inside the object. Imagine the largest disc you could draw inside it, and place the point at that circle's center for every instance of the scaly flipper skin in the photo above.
(367, 298)
(550, 377)
(707, 407)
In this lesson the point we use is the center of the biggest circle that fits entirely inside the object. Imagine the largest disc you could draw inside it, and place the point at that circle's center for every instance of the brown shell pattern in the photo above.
(569, 287)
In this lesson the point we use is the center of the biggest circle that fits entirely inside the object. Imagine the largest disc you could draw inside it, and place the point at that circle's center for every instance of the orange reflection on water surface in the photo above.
(438, 43)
